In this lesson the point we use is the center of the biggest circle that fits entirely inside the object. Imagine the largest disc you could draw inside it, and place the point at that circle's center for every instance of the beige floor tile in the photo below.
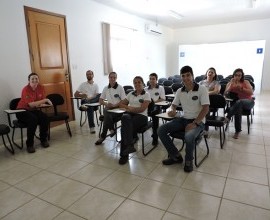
(68, 216)
(215, 167)
(239, 211)
(8, 163)
(36, 209)
(109, 160)
(65, 193)
(205, 183)
(64, 148)
(11, 199)
(157, 155)
(67, 166)
(267, 150)
(155, 194)
(195, 205)
(96, 204)
(45, 160)
(248, 193)
(3, 186)
(248, 173)
(87, 155)
(249, 159)
(18, 173)
(133, 211)
(39, 182)
(139, 167)
(170, 216)
(173, 175)
(92, 174)
(120, 183)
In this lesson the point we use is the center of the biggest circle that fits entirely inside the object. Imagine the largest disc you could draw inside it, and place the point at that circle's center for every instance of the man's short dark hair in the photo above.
(186, 69)
(154, 75)
(32, 74)
(112, 73)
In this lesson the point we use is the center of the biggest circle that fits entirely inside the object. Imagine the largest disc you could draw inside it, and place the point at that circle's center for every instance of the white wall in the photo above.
(242, 31)
(84, 19)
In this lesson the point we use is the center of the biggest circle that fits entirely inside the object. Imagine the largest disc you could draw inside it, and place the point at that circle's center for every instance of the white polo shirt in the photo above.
(137, 100)
(113, 94)
(192, 101)
(89, 89)
(156, 93)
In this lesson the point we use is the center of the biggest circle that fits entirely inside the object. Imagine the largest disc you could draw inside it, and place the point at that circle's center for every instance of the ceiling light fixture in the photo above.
(175, 14)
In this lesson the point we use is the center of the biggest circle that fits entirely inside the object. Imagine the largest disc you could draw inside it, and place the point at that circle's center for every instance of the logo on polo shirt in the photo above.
(195, 98)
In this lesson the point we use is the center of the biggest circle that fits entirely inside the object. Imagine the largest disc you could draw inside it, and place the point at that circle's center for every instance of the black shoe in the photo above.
(188, 166)
(170, 161)
(123, 160)
(99, 141)
(155, 142)
(112, 133)
(45, 144)
(30, 149)
(135, 139)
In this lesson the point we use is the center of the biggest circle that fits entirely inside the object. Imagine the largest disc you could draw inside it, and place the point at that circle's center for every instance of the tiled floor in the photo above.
(74, 179)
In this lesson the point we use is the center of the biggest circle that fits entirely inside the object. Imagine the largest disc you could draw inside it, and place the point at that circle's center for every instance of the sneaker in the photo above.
(155, 142)
(99, 141)
(170, 161)
(31, 149)
(92, 130)
(188, 166)
(45, 144)
(123, 160)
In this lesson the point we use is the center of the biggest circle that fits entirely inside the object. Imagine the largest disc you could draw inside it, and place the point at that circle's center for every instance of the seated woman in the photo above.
(135, 105)
(210, 81)
(243, 90)
(33, 96)
(213, 86)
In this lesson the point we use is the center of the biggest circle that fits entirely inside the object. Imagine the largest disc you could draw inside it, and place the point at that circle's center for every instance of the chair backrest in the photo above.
(222, 88)
(56, 100)
(176, 86)
(199, 78)
(128, 88)
(171, 78)
(219, 77)
(13, 103)
(217, 101)
(161, 80)
(168, 90)
(167, 82)
(249, 77)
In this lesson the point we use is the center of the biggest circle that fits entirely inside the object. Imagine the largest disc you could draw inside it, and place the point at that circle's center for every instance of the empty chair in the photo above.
(177, 80)
(220, 77)
(176, 86)
(128, 89)
(14, 122)
(167, 83)
(58, 100)
(171, 78)
(4, 131)
(217, 102)
(161, 80)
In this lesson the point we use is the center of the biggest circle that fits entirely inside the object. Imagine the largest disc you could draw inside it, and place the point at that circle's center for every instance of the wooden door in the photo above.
(48, 53)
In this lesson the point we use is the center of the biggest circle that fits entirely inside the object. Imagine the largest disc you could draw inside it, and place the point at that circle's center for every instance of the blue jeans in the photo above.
(179, 125)
(236, 111)
(90, 110)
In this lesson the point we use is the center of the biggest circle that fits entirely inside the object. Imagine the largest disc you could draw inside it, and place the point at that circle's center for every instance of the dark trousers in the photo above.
(90, 110)
(130, 124)
(108, 122)
(156, 110)
(33, 119)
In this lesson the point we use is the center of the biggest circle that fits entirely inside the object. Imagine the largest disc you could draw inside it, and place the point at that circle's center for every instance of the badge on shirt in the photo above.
(116, 96)
(141, 100)
(195, 98)
(157, 93)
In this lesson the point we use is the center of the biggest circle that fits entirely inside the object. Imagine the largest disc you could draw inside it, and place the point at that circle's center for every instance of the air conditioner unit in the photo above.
(153, 29)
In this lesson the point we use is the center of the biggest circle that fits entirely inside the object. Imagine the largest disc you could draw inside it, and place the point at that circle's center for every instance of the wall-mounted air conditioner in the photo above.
(153, 29)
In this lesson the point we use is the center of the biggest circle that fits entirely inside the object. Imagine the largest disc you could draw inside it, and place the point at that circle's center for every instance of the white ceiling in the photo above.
(194, 12)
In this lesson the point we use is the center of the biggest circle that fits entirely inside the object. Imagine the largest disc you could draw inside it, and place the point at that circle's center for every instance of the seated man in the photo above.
(88, 91)
(113, 93)
(194, 100)
(157, 94)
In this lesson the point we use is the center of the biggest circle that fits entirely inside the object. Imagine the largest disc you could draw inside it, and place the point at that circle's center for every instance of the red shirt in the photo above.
(29, 95)
(241, 94)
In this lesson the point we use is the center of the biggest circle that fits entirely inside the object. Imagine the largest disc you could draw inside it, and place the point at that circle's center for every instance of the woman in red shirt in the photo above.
(33, 97)
(244, 92)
